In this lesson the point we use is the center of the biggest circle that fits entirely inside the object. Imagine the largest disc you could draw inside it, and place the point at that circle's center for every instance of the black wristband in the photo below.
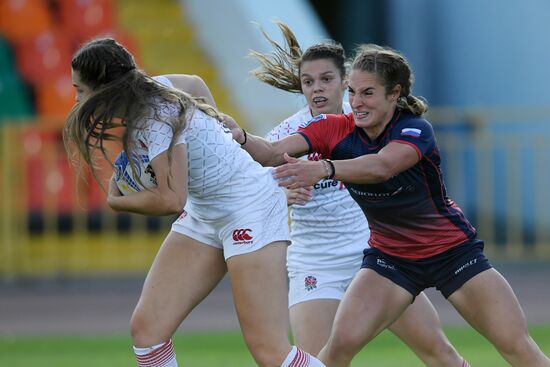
(332, 168)
(245, 137)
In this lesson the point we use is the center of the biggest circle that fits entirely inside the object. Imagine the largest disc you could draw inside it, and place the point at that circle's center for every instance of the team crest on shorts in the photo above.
(242, 236)
(310, 283)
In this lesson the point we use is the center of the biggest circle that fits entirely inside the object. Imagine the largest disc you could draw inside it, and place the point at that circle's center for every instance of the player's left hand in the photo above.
(298, 173)
(233, 126)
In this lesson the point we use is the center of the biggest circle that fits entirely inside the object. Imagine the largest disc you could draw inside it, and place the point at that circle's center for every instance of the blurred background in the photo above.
(483, 66)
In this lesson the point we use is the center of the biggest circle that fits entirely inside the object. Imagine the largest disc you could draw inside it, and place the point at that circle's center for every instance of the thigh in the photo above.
(311, 322)
(419, 326)
(260, 293)
(371, 303)
(488, 303)
(183, 273)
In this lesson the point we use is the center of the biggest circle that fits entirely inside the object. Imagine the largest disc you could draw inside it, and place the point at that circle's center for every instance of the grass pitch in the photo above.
(229, 350)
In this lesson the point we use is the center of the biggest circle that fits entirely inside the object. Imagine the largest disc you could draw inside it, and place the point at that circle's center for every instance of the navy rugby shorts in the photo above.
(446, 271)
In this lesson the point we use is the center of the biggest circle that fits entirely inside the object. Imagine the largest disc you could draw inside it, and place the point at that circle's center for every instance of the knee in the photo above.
(142, 330)
(440, 353)
(345, 344)
(267, 354)
(514, 344)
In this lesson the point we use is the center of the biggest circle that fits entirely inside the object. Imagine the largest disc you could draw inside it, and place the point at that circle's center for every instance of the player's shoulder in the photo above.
(289, 125)
(324, 119)
(413, 124)
(407, 118)
(163, 79)
(300, 117)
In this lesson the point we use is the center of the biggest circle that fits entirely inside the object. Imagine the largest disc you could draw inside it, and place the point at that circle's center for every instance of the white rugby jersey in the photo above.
(330, 231)
(223, 178)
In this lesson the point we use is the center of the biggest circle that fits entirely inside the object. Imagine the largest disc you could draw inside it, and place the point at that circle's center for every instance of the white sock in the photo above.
(299, 358)
(160, 355)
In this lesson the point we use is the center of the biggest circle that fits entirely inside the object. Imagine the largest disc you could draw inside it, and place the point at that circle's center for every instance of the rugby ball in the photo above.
(126, 178)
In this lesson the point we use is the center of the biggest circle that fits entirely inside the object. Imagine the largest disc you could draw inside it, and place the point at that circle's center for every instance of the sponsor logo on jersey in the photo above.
(242, 236)
(310, 282)
(379, 195)
(315, 119)
(327, 184)
(409, 131)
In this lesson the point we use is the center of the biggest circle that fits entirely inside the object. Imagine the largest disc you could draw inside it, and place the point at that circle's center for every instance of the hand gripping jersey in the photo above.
(410, 215)
(330, 231)
(223, 178)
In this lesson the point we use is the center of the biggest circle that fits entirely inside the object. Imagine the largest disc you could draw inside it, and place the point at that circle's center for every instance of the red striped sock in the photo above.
(299, 358)
(161, 355)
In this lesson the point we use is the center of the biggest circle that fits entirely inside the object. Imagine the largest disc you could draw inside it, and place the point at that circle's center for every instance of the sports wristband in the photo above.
(332, 172)
(245, 137)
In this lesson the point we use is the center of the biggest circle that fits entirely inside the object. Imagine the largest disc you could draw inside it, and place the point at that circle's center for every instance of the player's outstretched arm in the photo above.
(366, 169)
(267, 153)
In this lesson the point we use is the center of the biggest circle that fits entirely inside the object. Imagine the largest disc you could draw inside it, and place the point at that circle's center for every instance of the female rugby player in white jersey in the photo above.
(329, 231)
(238, 221)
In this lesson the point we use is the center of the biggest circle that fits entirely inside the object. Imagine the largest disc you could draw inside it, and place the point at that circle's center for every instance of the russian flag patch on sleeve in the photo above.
(409, 131)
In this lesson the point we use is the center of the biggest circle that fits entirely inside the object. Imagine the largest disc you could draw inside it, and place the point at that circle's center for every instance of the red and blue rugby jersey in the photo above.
(410, 215)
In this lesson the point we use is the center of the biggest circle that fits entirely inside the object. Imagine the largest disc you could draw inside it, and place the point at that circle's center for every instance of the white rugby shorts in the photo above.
(255, 227)
(308, 286)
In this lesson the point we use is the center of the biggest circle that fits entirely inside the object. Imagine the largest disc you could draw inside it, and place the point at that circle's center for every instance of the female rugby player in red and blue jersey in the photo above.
(387, 156)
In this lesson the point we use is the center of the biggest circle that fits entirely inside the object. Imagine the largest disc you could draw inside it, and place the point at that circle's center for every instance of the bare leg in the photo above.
(419, 327)
(311, 323)
(260, 292)
(371, 303)
(183, 274)
(489, 304)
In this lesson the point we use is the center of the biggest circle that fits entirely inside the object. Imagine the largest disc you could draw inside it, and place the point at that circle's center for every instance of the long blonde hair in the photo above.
(281, 68)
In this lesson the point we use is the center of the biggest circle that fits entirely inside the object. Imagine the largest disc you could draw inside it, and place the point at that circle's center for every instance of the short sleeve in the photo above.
(158, 133)
(163, 80)
(323, 132)
(416, 132)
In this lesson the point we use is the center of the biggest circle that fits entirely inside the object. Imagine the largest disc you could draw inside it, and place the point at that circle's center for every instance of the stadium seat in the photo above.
(55, 98)
(86, 19)
(6, 57)
(44, 57)
(21, 19)
(15, 100)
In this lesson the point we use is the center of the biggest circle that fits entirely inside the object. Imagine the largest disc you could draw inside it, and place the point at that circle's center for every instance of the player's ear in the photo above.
(396, 91)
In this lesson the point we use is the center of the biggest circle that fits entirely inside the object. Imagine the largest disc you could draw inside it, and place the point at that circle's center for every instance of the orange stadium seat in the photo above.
(44, 57)
(55, 98)
(20, 19)
(86, 19)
